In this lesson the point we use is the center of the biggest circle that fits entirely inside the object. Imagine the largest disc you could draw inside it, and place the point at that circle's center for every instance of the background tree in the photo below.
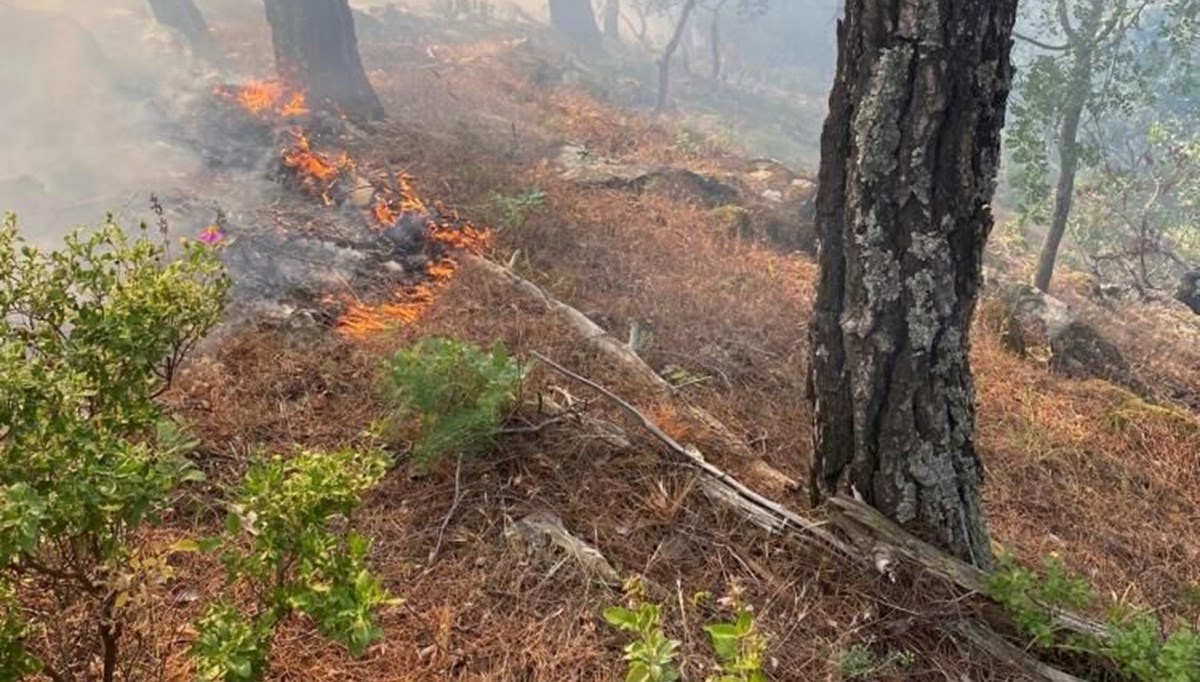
(183, 16)
(1137, 217)
(612, 19)
(908, 163)
(664, 60)
(1100, 77)
(1089, 68)
(576, 20)
(316, 48)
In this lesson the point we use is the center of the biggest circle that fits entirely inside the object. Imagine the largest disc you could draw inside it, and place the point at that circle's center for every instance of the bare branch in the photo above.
(1064, 20)
(1037, 43)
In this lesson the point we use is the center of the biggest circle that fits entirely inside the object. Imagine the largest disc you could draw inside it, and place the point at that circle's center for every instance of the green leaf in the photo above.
(622, 618)
(185, 546)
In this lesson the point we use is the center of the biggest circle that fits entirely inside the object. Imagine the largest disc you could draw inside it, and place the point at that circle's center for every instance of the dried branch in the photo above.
(1064, 20)
(746, 498)
(1000, 649)
(1037, 43)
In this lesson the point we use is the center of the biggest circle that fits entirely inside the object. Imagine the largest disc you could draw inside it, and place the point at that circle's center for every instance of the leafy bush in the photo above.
(285, 537)
(1026, 595)
(92, 333)
(1135, 643)
(741, 648)
(651, 657)
(451, 396)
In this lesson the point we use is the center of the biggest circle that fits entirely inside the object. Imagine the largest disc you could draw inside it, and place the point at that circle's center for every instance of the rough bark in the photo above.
(908, 164)
(612, 19)
(183, 16)
(664, 61)
(316, 48)
(576, 20)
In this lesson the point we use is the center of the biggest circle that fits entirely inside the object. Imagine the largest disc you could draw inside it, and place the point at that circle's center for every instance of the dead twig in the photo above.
(450, 514)
(739, 495)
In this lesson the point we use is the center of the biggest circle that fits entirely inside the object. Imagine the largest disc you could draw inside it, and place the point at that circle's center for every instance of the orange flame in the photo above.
(262, 98)
(410, 305)
(319, 172)
(385, 214)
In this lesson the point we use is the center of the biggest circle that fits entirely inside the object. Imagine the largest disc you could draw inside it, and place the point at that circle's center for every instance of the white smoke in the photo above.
(88, 91)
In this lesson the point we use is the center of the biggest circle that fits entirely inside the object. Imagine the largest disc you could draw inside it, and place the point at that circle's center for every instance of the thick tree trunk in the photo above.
(1068, 153)
(185, 17)
(664, 62)
(612, 19)
(575, 20)
(316, 48)
(908, 164)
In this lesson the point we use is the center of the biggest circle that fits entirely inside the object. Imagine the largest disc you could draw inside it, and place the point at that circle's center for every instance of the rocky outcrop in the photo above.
(581, 167)
(1039, 325)
(781, 205)
(1189, 291)
(761, 199)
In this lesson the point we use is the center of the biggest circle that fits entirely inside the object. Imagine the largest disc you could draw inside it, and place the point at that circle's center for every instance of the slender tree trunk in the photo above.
(612, 19)
(908, 165)
(576, 20)
(664, 62)
(316, 48)
(110, 635)
(714, 40)
(1068, 152)
(183, 16)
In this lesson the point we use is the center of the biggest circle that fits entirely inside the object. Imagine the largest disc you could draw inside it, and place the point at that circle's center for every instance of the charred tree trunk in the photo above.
(908, 164)
(316, 48)
(576, 20)
(612, 19)
(664, 62)
(183, 16)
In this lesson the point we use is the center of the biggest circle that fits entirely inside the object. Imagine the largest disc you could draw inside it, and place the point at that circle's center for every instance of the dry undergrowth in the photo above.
(1081, 469)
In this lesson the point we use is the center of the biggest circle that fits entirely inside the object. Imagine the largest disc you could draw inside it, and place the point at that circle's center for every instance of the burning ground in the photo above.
(366, 239)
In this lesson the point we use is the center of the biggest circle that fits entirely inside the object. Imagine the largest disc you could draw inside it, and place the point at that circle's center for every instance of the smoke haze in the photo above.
(90, 90)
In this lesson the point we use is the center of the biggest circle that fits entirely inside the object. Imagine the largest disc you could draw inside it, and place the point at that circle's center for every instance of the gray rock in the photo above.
(1189, 291)
(1040, 325)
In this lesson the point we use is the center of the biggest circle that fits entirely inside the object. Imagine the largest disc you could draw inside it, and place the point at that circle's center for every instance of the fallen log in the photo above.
(1002, 650)
(599, 339)
(731, 490)
(875, 534)
(876, 542)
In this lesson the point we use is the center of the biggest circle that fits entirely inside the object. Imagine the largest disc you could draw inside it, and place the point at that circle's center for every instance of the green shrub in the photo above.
(1028, 596)
(91, 334)
(650, 657)
(286, 538)
(741, 648)
(450, 396)
(1136, 643)
(515, 209)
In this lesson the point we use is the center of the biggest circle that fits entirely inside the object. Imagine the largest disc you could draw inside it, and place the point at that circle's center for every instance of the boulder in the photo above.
(581, 167)
(782, 205)
(1189, 291)
(1039, 325)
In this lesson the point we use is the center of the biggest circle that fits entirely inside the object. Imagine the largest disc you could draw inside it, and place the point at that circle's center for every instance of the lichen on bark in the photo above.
(908, 169)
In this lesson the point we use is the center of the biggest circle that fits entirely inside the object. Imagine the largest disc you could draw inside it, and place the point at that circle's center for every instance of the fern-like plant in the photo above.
(450, 397)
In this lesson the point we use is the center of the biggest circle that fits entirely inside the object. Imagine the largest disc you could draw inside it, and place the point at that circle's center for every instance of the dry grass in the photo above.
(1077, 468)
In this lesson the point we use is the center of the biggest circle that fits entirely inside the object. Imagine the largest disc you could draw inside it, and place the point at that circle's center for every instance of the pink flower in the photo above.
(212, 235)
